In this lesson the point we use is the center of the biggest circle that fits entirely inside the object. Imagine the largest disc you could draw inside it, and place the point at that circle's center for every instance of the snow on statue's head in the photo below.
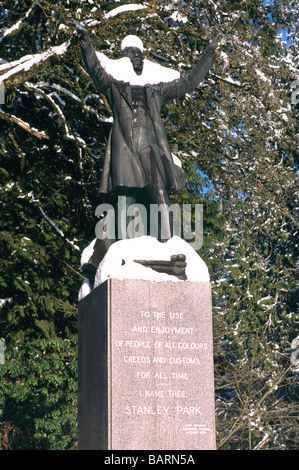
(132, 47)
(132, 41)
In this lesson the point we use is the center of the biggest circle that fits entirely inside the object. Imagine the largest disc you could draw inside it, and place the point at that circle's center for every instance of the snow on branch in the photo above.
(51, 222)
(17, 25)
(56, 228)
(31, 198)
(24, 125)
(69, 93)
(59, 88)
(26, 62)
(124, 8)
(68, 135)
(231, 81)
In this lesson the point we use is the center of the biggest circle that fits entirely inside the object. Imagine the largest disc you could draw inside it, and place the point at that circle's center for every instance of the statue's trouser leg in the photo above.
(131, 214)
(145, 147)
(137, 215)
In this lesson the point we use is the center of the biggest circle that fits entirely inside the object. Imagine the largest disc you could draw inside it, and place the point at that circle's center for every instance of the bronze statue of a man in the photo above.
(138, 156)
(138, 161)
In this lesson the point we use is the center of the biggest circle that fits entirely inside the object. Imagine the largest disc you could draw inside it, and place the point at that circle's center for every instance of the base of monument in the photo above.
(146, 379)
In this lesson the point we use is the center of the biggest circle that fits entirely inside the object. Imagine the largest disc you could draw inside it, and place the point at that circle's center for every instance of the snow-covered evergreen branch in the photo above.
(24, 125)
(26, 62)
(17, 25)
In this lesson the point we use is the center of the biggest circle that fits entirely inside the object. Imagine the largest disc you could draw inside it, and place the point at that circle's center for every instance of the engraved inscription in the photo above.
(163, 352)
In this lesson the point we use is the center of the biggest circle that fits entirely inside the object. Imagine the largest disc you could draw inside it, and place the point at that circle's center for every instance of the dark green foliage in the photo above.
(38, 395)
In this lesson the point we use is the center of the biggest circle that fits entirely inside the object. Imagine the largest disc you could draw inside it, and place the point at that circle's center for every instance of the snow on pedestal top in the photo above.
(149, 248)
(119, 261)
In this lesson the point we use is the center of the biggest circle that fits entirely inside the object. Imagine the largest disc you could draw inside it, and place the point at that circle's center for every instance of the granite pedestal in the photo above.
(146, 378)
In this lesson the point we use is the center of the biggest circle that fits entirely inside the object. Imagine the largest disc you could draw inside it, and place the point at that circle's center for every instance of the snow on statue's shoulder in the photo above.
(122, 70)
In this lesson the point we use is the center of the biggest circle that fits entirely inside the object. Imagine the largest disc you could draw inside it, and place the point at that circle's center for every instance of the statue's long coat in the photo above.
(123, 167)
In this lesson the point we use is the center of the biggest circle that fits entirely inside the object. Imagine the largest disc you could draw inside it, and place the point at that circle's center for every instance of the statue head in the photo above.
(132, 47)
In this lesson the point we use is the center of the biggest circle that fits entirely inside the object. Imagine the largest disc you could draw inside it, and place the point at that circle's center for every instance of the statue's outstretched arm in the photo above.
(92, 63)
(181, 86)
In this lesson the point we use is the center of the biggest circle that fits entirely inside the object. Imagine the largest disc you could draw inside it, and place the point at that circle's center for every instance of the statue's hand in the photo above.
(81, 31)
(218, 40)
